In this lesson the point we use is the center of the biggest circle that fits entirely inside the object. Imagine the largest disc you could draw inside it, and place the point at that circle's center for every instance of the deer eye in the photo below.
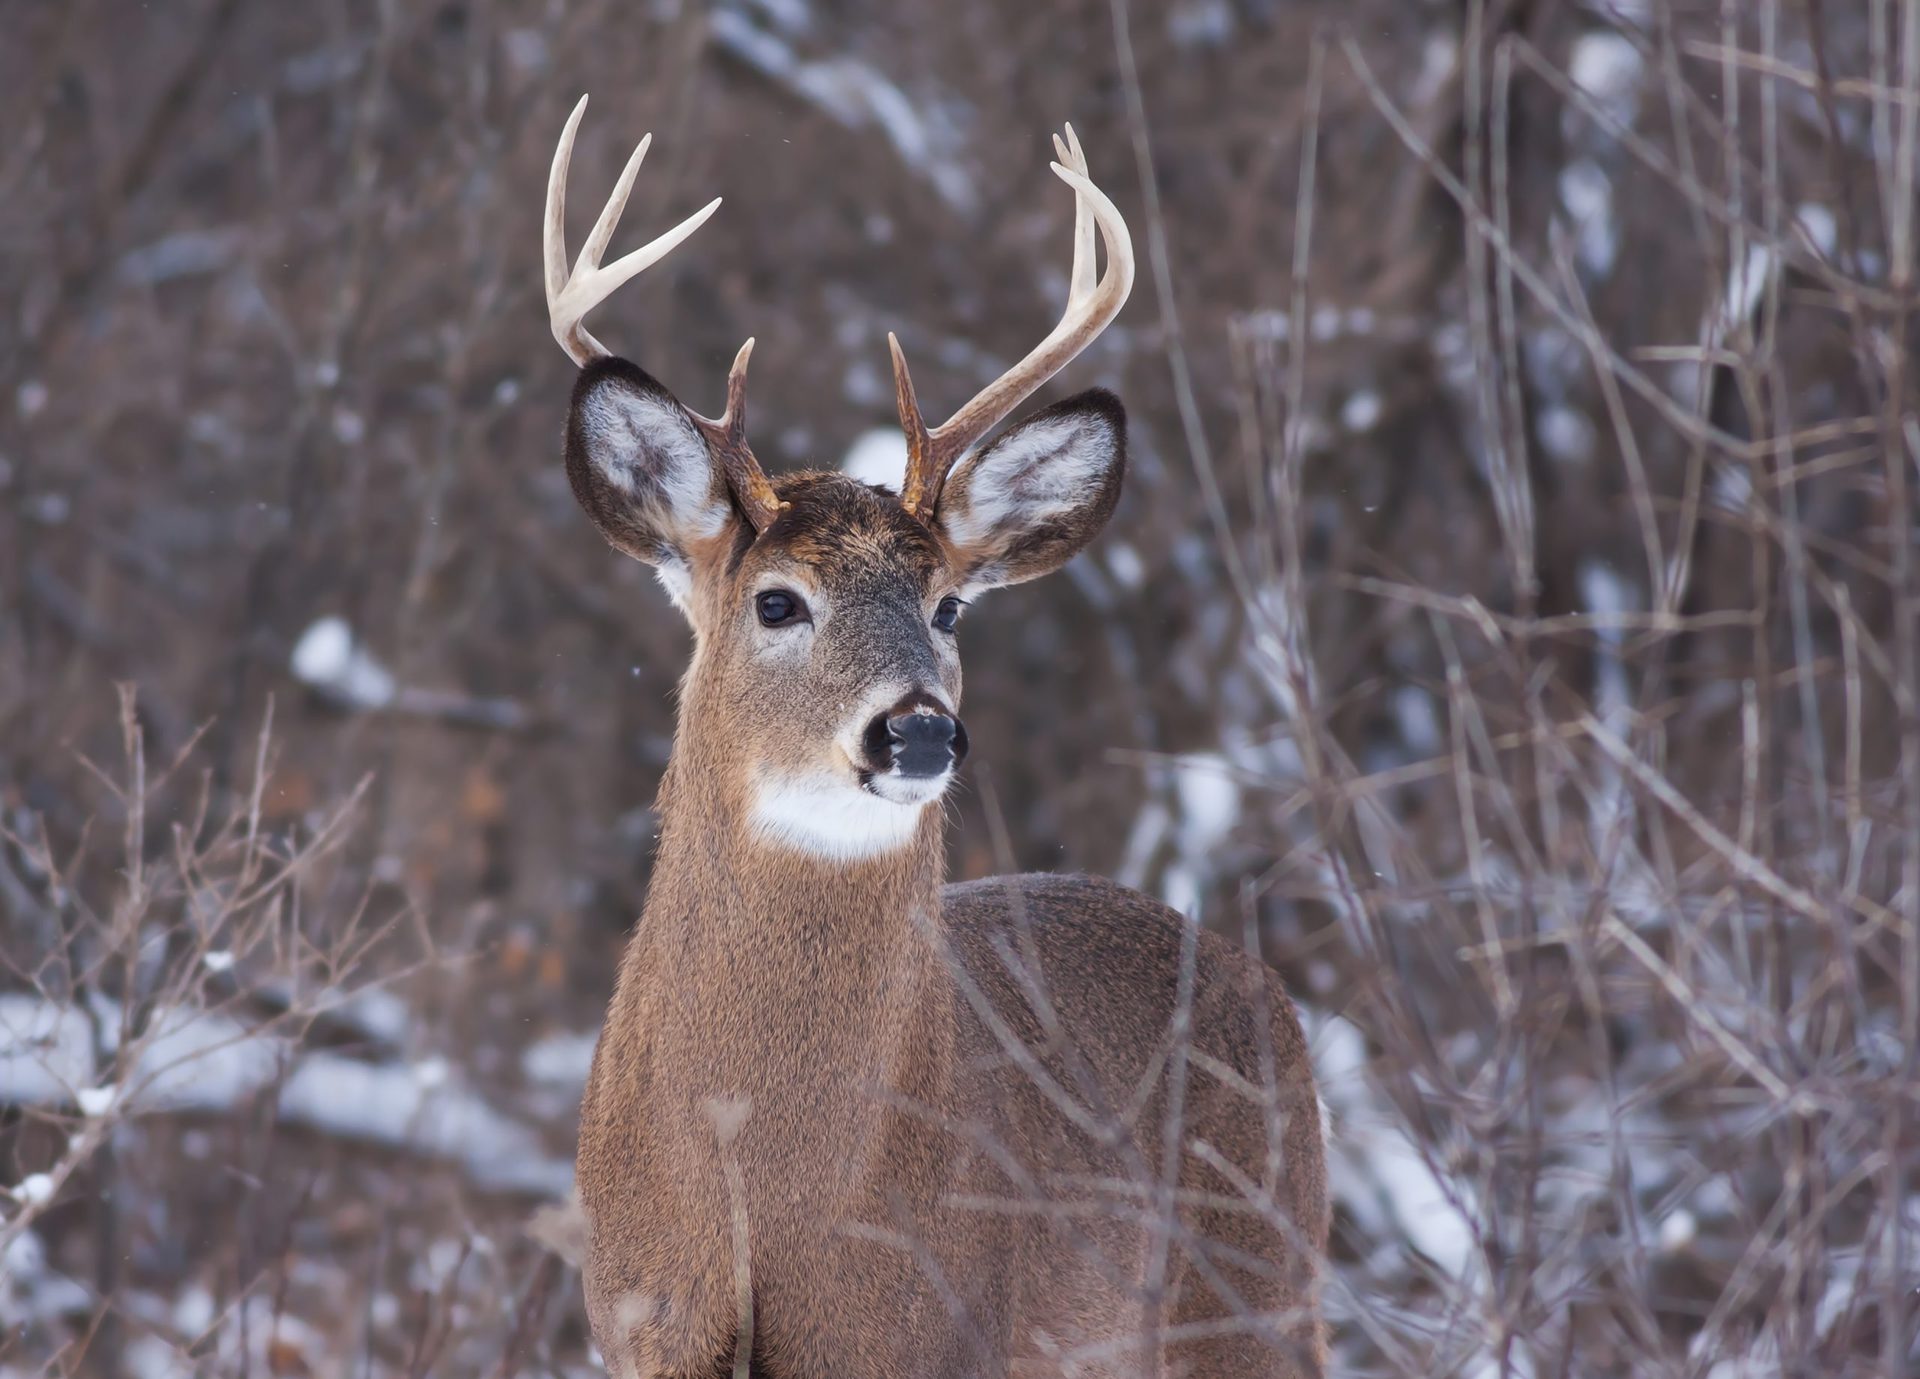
(947, 614)
(779, 608)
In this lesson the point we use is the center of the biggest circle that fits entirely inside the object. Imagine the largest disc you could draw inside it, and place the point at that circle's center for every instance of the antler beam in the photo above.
(1091, 306)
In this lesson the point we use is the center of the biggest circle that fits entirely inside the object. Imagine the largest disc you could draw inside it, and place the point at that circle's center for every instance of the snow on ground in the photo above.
(1377, 1174)
(328, 658)
(46, 1051)
(191, 1059)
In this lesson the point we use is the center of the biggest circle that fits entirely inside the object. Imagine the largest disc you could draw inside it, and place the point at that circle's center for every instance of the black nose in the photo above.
(916, 737)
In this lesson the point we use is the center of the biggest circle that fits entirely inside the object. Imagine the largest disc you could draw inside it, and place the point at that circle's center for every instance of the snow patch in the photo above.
(328, 658)
(45, 1051)
(34, 1190)
(1418, 720)
(1586, 194)
(1361, 411)
(560, 1060)
(1375, 1171)
(1746, 281)
(878, 457)
(1607, 67)
(1125, 565)
(1816, 222)
(1566, 434)
(388, 1104)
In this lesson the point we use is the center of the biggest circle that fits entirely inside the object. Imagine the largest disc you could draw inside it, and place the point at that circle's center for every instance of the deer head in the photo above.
(825, 682)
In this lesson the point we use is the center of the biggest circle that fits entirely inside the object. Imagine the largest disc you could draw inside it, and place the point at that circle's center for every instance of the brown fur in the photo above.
(956, 1098)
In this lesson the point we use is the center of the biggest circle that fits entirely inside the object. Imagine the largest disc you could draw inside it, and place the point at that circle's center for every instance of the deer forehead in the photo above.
(847, 537)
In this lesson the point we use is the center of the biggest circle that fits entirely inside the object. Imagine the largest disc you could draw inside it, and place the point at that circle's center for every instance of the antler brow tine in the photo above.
(1091, 306)
(573, 292)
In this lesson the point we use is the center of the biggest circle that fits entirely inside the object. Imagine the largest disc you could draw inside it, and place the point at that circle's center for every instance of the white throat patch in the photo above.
(833, 820)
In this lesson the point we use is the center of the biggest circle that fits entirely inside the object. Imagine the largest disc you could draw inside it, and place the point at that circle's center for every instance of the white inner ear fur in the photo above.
(634, 438)
(677, 580)
(1034, 474)
(833, 820)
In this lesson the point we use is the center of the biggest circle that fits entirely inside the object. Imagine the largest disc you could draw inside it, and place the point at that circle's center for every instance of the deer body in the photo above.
(844, 1120)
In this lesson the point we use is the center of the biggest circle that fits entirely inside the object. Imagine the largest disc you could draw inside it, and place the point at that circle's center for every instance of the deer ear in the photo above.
(1025, 505)
(643, 471)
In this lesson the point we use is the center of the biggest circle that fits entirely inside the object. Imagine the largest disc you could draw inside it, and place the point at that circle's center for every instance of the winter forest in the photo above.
(1509, 627)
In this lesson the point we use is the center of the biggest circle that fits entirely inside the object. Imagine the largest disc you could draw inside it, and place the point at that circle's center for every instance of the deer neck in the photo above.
(761, 970)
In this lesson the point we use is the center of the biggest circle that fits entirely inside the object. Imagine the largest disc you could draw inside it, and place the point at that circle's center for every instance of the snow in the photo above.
(1607, 67)
(878, 457)
(327, 657)
(152, 1357)
(34, 1190)
(1746, 281)
(198, 1060)
(1361, 411)
(1732, 488)
(1677, 1231)
(560, 1060)
(1150, 828)
(30, 1291)
(1567, 434)
(218, 960)
(1125, 565)
(1816, 222)
(386, 1104)
(1605, 593)
(1375, 1171)
(201, 1061)
(1180, 890)
(1586, 194)
(1209, 799)
(1417, 719)
(349, 427)
(45, 1051)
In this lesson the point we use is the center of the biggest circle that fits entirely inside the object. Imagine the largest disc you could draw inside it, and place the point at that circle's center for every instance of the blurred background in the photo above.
(1510, 620)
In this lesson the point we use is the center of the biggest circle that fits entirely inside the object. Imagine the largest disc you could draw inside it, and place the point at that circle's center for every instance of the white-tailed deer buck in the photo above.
(844, 1121)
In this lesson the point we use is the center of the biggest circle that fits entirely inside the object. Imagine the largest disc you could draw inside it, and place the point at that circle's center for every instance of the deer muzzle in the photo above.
(917, 738)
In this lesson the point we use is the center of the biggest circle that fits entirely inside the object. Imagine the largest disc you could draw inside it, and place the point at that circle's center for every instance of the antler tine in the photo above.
(1091, 306)
(1081, 280)
(572, 294)
(727, 436)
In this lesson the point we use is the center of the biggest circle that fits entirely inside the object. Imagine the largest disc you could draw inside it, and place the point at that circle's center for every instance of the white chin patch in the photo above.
(909, 790)
(837, 820)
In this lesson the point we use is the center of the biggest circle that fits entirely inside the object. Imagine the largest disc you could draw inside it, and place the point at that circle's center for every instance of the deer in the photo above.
(844, 1119)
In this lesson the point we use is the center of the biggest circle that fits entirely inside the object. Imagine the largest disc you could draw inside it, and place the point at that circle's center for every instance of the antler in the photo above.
(1091, 306)
(727, 435)
(572, 293)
